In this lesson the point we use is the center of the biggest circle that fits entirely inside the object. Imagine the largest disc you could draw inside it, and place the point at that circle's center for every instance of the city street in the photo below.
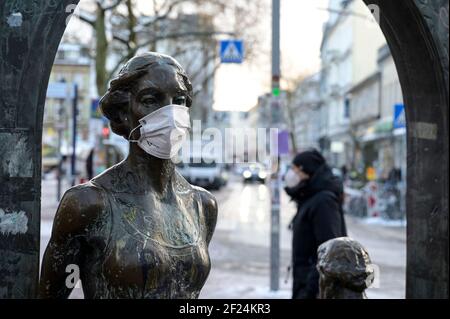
(240, 248)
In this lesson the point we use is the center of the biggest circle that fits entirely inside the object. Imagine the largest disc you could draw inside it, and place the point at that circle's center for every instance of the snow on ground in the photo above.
(384, 222)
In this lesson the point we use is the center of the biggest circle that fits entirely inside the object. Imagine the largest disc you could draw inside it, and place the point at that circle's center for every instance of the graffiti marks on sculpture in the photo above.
(31, 8)
(16, 158)
(13, 223)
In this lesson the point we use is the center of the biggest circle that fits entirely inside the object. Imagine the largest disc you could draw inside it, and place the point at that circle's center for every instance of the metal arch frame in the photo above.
(418, 46)
(27, 51)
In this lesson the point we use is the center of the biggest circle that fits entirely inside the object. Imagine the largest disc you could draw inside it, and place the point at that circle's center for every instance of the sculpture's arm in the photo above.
(210, 210)
(61, 262)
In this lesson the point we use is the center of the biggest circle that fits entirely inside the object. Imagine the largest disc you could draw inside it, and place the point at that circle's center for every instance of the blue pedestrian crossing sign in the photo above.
(232, 51)
(399, 116)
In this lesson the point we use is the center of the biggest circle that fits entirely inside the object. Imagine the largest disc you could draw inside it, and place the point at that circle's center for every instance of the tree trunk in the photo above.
(101, 52)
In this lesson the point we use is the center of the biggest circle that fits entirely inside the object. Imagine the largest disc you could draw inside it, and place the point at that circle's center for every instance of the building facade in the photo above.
(393, 151)
(349, 55)
(72, 67)
(377, 122)
(304, 114)
(364, 114)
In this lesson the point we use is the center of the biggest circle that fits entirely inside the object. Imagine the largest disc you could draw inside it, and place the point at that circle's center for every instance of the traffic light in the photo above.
(276, 91)
(105, 132)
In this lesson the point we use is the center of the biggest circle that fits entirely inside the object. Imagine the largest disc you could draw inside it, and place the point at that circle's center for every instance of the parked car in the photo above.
(255, 173)
(204, 172)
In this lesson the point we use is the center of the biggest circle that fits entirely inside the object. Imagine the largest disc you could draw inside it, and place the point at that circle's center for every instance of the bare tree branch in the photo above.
(207, 78)
(180, 52)
(110, 7)
(83, 16)
(184, 34)
(119, 64)
(132, 31)
(205, 64)
(121, 40)
(165, 15)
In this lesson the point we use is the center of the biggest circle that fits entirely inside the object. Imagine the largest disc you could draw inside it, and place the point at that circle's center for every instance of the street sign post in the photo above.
(275, 178)
(74, 134)
(399, 116)
(283, 142)
(232, 51)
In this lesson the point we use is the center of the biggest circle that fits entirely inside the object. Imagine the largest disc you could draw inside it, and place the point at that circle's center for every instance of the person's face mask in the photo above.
(164, 131)
(292, 179)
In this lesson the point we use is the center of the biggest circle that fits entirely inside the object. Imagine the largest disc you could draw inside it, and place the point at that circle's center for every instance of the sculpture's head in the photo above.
(345, 269)
(146, 83)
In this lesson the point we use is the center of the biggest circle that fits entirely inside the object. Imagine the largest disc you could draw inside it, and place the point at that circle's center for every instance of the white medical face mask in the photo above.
(291, 179)
(164, 131)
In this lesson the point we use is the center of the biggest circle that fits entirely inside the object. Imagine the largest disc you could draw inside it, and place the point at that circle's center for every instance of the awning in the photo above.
(378, 131)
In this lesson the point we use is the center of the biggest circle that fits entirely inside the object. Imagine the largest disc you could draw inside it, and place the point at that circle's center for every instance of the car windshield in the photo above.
(207, 163)
(255, 167)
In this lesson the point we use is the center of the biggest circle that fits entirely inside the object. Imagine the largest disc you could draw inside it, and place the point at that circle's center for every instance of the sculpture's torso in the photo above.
(147, 248)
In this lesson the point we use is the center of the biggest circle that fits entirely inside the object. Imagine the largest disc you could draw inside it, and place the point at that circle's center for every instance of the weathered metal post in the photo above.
(417, 34)
(275, 180)
(30, 32)
(60, 128)
(74, 134)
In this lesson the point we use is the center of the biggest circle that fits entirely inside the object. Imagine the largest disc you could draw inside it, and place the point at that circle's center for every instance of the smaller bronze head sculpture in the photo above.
(345, 269)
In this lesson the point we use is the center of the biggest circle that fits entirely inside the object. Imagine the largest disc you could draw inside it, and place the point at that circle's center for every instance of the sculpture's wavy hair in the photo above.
(121, 88)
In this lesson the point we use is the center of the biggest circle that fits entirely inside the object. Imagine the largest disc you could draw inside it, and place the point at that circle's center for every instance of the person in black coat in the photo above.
(319, 196)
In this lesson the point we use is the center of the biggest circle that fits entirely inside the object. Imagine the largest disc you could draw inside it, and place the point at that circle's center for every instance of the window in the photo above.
(60, 55)
(347, 108)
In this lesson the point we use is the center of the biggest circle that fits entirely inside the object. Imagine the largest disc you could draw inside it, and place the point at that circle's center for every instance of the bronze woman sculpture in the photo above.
(138, 230)
(345, 269)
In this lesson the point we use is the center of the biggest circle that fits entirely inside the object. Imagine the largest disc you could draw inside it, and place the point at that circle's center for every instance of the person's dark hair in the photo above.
(117, 98)
(309, 161)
